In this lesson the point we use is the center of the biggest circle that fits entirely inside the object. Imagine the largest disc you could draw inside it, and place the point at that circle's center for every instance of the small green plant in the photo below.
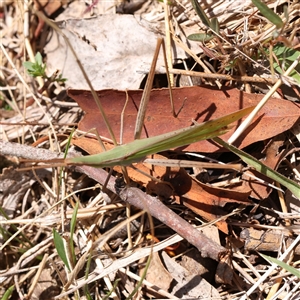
(38, 68)
(60, 248)
(285, 57)
(7, 107)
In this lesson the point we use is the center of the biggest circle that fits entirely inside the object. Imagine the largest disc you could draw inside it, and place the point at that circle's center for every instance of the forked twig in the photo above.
(158, 210)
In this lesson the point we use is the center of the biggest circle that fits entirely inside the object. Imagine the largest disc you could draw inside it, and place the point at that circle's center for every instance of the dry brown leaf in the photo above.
(260, 190)
(191, 104)
(188, 285)
(197, 265)
(157, 273)
(204, 200)
(46, 287)
(224, 273)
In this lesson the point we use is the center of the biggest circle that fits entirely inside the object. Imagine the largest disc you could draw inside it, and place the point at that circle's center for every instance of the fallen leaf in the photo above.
(197, 265)
(208, 202)
(189, 286)
(111, 59)
(90, 145)
(46, 287)
(224, 273)
(157, 273)
(204, 200)
(191, 104)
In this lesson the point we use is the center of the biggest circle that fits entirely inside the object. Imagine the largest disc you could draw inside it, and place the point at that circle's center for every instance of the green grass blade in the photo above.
(139, 284)
(65, 155)
(137, 150)
(72, 230)
(86, 275)
(268, 13)
(116, 282)
(282, 264)
(69, 143)
(8, 293)
(215, 25)
(59, 245)
(260, 167)
(200, 12)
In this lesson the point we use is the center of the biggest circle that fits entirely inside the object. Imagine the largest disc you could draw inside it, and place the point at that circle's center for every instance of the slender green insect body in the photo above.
(138, 149)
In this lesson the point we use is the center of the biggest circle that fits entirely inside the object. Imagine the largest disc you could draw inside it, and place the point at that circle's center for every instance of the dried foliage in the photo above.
(79, 232)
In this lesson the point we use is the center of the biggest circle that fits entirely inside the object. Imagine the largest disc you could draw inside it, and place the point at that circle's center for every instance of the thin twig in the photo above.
(225, 77)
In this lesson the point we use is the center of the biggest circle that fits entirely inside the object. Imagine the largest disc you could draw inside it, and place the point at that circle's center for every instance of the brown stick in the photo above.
(158, 210)
(133, 196)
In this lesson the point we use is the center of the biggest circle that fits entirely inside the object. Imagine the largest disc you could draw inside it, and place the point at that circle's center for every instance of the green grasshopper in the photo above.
(124, 155)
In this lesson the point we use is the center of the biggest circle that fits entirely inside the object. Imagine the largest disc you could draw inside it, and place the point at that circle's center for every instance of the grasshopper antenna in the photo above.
(45, 164)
